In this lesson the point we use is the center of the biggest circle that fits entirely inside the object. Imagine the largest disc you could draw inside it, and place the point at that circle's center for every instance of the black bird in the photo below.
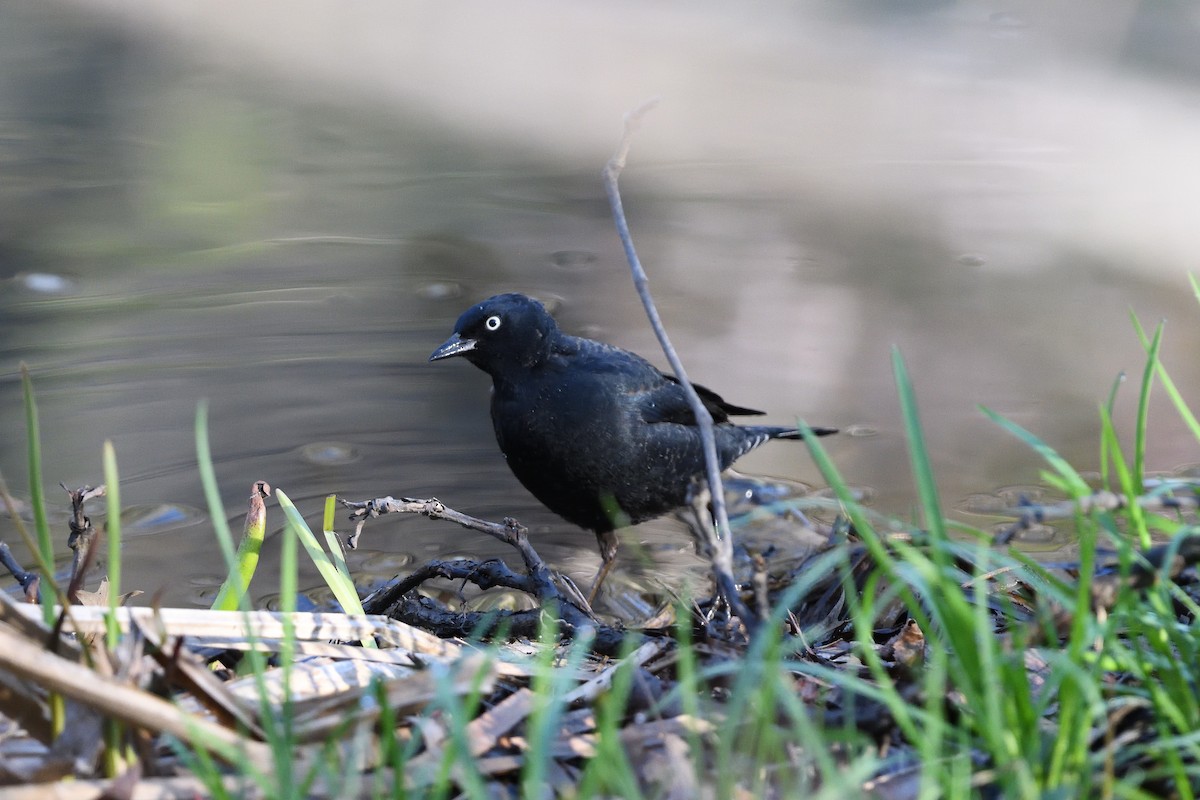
(596, 433)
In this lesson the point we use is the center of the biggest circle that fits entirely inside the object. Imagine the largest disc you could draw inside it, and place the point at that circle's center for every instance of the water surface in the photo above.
(178, 225)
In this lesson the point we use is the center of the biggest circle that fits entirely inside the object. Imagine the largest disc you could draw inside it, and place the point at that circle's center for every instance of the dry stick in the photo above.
(1030, 514)
(538, 581)
(720, 545)
(511, 532)
(112, 698)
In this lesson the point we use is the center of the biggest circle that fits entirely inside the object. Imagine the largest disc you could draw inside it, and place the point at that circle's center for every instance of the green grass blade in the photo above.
(1074, 483)
(947, 600)
(341, 585)
(550, 683)
(331, 537)
(112, 529)
(212, 493)
(288, 589)
(288, 576)
(918, 455)
(37, 495)
(1128, 483)
(857, 514)
(1110, 404)
(1181, 406)
(862, 606)
(277, 727)
(612, 774)
(1143, 413)
(113, 730)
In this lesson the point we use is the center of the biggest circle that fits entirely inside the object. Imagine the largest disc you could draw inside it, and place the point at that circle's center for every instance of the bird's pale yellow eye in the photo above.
(492, 323)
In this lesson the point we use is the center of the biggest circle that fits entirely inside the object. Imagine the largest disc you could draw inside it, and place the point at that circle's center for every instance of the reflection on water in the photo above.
(174, 229)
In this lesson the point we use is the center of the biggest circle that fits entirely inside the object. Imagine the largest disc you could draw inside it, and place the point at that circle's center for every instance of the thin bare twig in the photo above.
(720, 542)
(510, 531)
(395, 600)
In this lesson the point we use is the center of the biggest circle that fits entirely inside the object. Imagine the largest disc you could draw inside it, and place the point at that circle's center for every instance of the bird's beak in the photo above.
(454, 346)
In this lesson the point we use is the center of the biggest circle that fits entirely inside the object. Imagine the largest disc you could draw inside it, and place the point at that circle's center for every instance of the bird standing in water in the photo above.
(598, 434)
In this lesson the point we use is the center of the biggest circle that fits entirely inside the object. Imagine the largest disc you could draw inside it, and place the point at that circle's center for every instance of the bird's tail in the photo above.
(795, 433)
(745, 438)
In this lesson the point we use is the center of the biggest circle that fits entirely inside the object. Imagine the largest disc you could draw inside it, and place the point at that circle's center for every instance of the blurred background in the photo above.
(282, 207)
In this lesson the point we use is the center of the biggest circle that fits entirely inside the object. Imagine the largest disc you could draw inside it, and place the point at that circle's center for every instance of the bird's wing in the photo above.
(659, 396)
(667, 402)
(718, 406)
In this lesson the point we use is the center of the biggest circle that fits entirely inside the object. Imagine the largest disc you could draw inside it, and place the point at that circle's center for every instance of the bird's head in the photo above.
(508, 331)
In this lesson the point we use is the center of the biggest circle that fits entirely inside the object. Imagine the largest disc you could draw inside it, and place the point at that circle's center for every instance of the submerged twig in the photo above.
(1030, 514)
(719, 541)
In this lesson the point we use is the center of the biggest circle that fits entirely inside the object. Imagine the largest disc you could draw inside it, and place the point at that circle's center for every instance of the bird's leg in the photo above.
(701, 521)
(607, 541)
